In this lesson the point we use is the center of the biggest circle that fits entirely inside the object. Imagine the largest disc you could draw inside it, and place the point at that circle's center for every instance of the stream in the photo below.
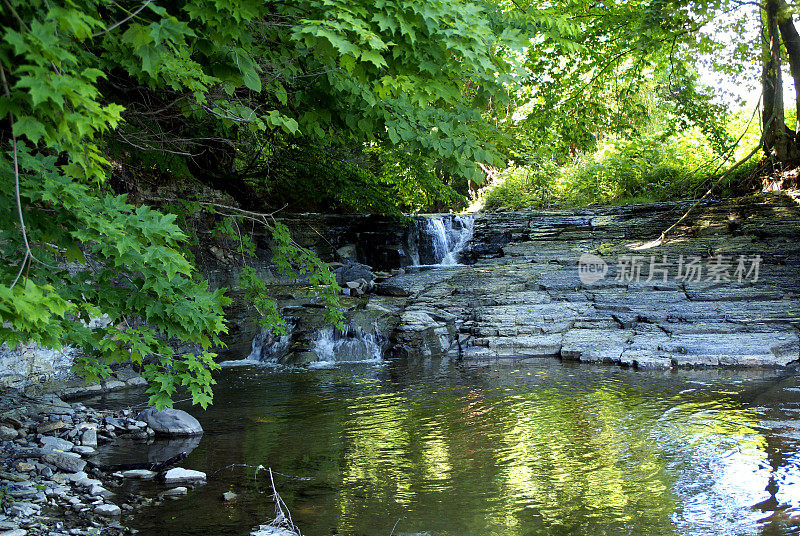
(499, 447)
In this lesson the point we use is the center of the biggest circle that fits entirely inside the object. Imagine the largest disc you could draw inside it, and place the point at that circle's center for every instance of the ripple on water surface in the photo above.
(500, 448)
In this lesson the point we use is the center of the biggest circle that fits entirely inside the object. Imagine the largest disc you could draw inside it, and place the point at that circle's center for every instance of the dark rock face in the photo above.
(353, 272)
(524, 296)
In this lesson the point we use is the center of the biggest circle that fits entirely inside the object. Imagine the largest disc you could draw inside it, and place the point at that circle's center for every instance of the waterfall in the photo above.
(439, 240)
(351, 345)
(266, 347)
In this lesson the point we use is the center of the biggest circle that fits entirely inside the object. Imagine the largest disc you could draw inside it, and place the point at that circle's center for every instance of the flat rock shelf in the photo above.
(525, 297)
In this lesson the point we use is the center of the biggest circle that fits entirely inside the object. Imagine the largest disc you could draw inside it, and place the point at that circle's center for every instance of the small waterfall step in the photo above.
(349, 346)
(439, 240)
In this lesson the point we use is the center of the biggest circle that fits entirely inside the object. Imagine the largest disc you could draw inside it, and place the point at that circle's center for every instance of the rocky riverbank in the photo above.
(49, 484)
(723, 289)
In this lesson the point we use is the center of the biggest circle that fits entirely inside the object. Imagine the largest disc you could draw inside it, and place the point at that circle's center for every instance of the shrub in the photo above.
(642, 169)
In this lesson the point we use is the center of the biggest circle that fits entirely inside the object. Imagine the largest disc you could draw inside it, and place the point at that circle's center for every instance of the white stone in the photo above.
(99, 491)
(84, 450)
(175, 492)
(14, 532)
(56, 443)
(179, 475)
(267, 530)
(108, 510)
(89, 437)
(141, 474)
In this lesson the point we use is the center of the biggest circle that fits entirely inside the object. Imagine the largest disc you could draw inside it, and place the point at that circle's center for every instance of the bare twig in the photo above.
(16, 181)
(16, 15)
(283, 518)
(123, 21)
(395, 525)
(660, 239)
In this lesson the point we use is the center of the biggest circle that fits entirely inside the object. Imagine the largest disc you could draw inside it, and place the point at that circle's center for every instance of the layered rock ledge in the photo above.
(523, 296)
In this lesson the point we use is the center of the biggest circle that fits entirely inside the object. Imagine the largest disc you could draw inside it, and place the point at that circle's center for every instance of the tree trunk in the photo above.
(791, 41)
(779, 141)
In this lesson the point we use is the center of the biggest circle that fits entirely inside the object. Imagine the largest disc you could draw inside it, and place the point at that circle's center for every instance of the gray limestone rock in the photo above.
(179, 475)
(171, 422)
(89, 437)
(56, 443)
(108, 510)
(65, 461)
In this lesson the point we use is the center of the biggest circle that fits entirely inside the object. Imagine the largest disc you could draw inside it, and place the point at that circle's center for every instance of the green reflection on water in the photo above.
(473, 452)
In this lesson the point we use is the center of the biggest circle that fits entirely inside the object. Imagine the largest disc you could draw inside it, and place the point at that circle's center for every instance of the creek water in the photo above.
(439, 240)
(512, 447)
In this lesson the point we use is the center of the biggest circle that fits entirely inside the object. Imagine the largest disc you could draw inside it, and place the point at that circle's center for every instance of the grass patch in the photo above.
(641, 170)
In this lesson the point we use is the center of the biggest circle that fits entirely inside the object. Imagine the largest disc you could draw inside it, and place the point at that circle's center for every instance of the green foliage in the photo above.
(256, 294)
(292, 259)
(124, 264)
(295, 260)
(75, 88)
(418, 182)
(616, 69)
(379, 179)
(638, 170)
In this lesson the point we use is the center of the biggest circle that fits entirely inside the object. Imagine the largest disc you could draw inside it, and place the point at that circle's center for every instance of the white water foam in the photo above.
(444, 236)
(350, 346)
(265, 349)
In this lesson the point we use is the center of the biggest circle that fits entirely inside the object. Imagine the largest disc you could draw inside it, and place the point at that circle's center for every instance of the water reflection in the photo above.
(506, 448)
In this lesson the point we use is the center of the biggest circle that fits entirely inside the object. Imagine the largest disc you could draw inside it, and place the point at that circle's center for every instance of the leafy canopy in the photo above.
(217, 89)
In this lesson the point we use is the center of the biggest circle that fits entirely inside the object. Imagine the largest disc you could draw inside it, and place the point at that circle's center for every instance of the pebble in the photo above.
(174, 492)
(65, 461)
(84, 450)
(89, 437)
(50, 427)
(14, 532)
(229, 496)
(56, 443)
(141, 474)
(114, 423)
(7, 433)
(23, 467)
(23, 509)
(99, 491)
(12, 477)
(107, 510)
(56, 491)
(87, 482)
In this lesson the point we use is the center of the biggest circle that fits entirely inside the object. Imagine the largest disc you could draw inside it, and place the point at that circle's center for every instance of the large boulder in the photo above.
(353, 272)
(171, 422)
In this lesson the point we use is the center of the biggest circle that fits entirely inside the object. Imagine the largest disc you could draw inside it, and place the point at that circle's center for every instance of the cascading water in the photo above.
(439, 240)
(265, 348)
(351, 345)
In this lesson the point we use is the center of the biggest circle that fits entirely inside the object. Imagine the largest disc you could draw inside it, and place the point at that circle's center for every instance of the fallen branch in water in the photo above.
(282, 525)
(156, 467)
